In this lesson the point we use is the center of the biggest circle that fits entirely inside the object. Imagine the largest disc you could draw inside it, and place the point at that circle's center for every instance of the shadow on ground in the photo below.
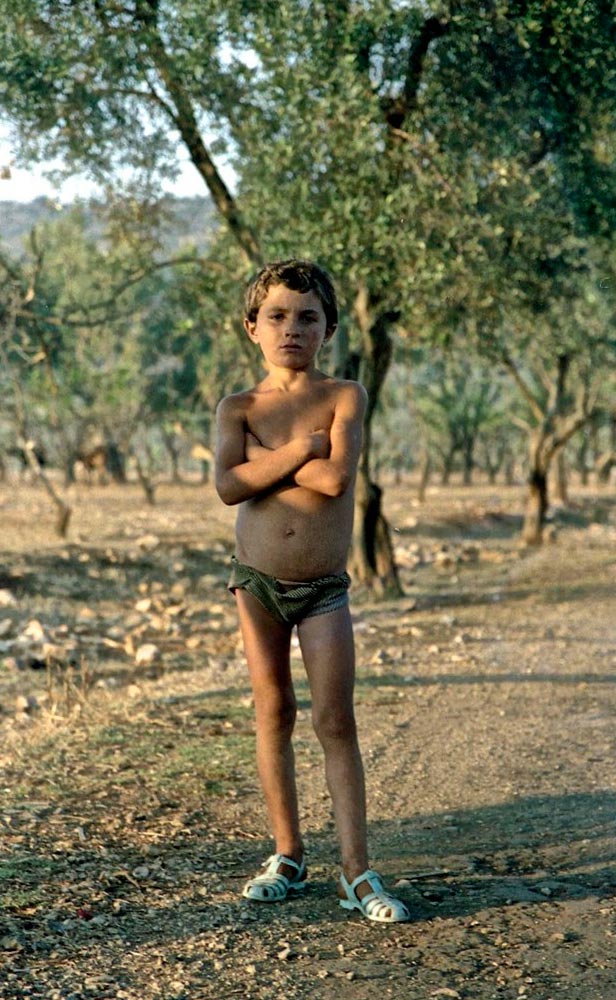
(526, 852)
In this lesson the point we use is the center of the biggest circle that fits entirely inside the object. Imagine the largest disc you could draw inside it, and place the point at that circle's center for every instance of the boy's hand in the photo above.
(320, 443)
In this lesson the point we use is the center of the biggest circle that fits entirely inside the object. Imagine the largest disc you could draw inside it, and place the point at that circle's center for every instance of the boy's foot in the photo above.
(281, 876)
(373, 901)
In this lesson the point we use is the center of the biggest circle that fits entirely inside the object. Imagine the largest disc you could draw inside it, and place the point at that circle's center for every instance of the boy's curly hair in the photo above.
(300, 276)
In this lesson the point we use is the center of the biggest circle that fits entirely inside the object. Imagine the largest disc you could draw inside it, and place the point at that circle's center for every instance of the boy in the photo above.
(287, 454)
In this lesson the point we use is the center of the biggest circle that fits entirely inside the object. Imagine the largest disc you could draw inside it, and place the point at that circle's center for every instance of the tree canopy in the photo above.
(452, 164)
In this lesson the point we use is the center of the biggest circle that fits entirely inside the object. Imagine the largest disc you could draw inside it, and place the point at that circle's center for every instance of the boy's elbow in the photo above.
(338, 484)
(226, 492)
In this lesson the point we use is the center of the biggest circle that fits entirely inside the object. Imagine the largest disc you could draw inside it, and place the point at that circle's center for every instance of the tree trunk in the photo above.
(468, 465)
(372, 560)
(171, 447)
(561, 486)
(69, 470)
(425, 467)
(605, 464)
(145, 480)
(581, 459)
(447, 469)
(556, 425)
(63, 511)
(536, 507)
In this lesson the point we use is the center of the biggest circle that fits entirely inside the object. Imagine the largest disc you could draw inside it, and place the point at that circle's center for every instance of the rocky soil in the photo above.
(129, 806)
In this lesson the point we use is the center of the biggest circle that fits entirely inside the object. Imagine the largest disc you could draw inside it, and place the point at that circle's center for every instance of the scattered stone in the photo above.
(148, 542)
(6, 626)
(86, 614)
(26, 703)
(382, 656)
(436, 895)
(7, 599)
(33, 632)
(445, 560)
(52, 652)
(147, 654)
(462, 638)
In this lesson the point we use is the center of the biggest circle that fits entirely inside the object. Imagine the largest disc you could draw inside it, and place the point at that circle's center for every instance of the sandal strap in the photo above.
(274, 862)
(378, 904)
(370, 876)
(382, 906)
(277, 884)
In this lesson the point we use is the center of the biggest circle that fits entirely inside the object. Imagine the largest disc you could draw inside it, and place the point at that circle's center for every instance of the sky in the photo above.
(27, 184)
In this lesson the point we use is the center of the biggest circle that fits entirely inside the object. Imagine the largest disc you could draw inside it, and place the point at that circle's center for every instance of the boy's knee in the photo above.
(278, 712)
(333, 726)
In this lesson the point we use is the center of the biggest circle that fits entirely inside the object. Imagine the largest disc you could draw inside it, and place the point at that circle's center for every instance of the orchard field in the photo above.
(130, 809)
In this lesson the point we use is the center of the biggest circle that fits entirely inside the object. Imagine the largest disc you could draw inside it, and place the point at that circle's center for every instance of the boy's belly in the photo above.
(295, 534)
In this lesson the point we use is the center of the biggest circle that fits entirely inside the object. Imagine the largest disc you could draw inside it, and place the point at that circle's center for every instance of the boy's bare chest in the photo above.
(277, 418)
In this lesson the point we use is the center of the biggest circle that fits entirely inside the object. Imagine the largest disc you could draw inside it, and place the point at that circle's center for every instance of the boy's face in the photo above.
(290, 328)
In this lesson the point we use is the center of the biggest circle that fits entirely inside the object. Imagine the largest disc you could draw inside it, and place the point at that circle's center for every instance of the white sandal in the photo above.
(272, 886)
(377, 905)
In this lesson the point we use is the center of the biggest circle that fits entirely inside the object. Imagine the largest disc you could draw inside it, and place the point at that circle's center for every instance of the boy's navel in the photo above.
(289, 532)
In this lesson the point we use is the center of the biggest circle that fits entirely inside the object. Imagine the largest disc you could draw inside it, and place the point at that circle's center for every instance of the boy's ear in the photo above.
(329, 333)
(250, 329)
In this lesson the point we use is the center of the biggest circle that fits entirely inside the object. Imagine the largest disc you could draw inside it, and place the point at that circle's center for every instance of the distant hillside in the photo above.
(189, 221)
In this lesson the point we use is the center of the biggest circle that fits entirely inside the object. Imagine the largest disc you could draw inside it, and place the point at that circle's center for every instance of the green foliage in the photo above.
(104, 337)
(453, 165)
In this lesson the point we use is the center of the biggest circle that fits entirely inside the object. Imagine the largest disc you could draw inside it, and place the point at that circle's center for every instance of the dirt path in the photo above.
(486, 703)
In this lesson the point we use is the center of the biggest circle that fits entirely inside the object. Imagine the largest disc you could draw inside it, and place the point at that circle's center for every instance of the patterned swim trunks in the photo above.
(290, 603)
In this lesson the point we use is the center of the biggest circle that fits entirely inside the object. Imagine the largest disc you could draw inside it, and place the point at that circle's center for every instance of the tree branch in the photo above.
(397, 109)
(432, 28)
(185, 120)
(510, 365)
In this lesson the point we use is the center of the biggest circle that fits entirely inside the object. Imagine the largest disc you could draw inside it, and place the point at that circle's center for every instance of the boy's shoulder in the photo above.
(235, 402)
(349, 389)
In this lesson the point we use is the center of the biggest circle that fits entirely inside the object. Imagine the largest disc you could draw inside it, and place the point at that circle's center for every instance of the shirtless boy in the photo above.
(287, 454)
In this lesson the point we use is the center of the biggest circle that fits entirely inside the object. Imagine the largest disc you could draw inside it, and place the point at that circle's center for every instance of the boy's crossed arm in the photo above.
(332, 471)
(240, 477)
(332, 474)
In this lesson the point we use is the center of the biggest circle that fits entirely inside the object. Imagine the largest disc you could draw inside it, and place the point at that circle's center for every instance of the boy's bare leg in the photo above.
(267, 647)
(328, 650)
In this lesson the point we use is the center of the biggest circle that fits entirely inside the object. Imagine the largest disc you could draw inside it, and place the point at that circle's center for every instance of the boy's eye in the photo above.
(305, 318)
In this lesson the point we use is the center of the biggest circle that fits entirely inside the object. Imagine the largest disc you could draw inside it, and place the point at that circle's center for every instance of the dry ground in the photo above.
(130, 812)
